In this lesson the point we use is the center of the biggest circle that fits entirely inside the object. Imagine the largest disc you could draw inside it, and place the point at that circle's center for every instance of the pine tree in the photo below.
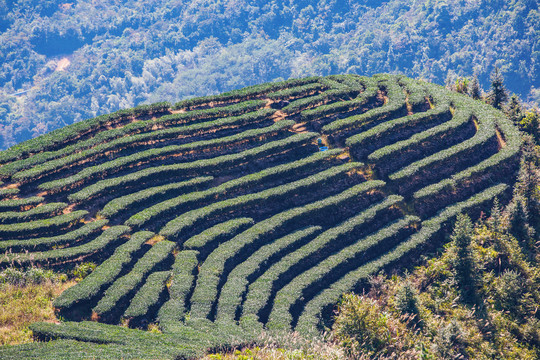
(475, 91)
(514, 110)
(495, 221)
(497, 96)
(407, 299)
(519, 221)
(463, 261)
(528, 182)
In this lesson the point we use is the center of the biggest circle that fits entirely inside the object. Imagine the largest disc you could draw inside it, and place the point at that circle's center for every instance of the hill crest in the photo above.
(257, 208)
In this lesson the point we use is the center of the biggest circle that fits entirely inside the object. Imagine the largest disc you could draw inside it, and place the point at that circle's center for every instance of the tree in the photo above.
(519, 222)
(495, 221)
(528, 182)
(462, 85)
(510, 287)
(514, 109)
(497, 95)
(530, 123)
(361, 326)
(463, 262)
(475, 90)
(407, 300)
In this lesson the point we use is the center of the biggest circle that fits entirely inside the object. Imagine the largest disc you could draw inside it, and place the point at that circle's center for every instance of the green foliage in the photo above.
(215, 235)
(20, 204)
(514, 110)
(528, 183)
(250, 181)
(261, 289)
(395, 130)
(104, 275)
(147, 296)
(143, 157)
(146, 196)
(510, 287)
(183, 278)
(407, 299)
(475, 90)
(269, 231)
(132, 135)
(38, 212)
(299, 287)
(59, 137)
(519, 221)
(448, 342)
(205, 50)
(83, 270)
(246, 92)
(395, 106)
(105, 240)
(123, 287)
(32, 275)
(280, 194)
(235, 288)
(463, 263)
(40, 243)
(42, 227)
(497, 95)
(199, 167)
(361, 326)
(530, 123)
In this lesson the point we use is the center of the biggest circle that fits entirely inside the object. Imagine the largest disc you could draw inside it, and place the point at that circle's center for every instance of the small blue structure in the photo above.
(321, 147)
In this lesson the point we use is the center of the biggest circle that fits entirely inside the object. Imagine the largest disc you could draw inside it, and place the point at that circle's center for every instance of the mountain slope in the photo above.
(258, 208)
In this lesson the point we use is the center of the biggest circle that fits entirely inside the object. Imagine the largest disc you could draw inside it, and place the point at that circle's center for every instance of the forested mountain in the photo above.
(63, 62)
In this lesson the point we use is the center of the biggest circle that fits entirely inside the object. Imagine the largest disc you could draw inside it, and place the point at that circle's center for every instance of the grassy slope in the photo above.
(22, 305)
(502, 324)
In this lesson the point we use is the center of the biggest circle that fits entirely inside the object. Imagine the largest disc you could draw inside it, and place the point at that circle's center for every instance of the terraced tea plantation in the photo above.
(256, 209)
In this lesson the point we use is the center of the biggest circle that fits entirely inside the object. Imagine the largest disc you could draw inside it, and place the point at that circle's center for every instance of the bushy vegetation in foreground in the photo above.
(477, 299)
(26, 296)
(219, 218)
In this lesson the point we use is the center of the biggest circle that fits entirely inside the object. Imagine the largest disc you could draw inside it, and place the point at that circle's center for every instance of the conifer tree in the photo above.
(463, 261)
(528, 182)
(475, 91)
(497, 95)
(519, 223)
(495, 221)
(514, 110)
(407, 299)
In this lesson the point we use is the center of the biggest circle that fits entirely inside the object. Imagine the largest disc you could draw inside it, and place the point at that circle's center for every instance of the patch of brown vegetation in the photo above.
(299, 127)
(21, 306)
(279, 115)
(155, 239)
(500, 139)
(68, 209)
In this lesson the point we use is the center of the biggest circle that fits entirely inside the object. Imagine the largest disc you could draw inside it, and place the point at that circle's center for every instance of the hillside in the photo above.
(62, 62)
(257, 208)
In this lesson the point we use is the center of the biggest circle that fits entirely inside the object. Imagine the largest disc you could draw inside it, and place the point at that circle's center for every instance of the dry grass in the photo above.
(275, 353)
(290, 347)
(22, 305)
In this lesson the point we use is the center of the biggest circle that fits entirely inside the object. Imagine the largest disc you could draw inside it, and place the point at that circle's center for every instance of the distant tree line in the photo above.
(526, 118)
(82, 59)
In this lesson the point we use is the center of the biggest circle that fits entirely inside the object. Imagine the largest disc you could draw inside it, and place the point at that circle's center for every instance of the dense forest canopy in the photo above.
(63, 62)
